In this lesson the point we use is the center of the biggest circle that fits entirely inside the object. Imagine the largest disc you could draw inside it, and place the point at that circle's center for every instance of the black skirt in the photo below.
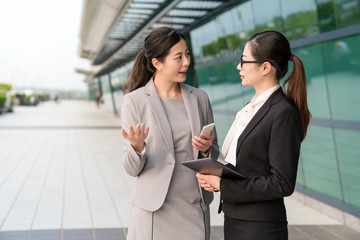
(235, 229)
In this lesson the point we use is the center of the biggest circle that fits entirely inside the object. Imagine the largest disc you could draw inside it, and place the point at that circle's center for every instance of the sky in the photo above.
(39, 42)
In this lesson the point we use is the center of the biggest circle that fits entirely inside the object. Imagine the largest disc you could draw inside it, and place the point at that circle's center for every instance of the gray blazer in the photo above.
(155, 168)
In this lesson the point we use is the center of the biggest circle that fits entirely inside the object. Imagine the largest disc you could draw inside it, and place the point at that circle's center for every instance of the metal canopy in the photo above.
(139, 17)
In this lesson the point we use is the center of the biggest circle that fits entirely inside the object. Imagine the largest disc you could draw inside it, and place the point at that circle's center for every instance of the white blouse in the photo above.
(243, 117)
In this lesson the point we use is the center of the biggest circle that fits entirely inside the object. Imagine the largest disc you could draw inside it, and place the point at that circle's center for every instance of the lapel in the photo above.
(160, 115)
(192, 109)
(274, 98)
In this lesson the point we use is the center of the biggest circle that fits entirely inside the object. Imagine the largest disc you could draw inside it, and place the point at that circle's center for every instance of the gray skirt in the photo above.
(165, 225)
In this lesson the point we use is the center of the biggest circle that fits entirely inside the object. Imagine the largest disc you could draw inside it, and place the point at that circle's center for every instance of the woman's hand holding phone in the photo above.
(204, 141)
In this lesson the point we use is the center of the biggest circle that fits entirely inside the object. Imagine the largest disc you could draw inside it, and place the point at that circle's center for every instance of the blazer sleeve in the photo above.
(284, 149)
(132, 162)
(213, 151)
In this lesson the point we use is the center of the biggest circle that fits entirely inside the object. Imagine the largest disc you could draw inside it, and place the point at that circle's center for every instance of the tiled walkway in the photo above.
(61, 178)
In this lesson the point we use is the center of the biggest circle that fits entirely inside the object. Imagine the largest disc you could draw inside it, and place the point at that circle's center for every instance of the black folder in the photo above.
(208, 166)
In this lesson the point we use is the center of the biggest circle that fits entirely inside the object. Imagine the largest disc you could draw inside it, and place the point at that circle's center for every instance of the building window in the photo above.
(338, 13)
(300, 18)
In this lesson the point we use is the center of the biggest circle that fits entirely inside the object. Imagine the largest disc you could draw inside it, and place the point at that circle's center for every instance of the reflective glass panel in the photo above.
(210, 45)
(196, 41)
(342, 66)
(348, 151)
(300, 173)
(300, 18)
(267, 15)
(338, 13)
(319, 162)
(202, 77)
(244, 25)
(226, 32)
(219, 100)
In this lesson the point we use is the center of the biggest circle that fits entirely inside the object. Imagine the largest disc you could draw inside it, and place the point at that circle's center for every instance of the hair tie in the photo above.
(292, 57)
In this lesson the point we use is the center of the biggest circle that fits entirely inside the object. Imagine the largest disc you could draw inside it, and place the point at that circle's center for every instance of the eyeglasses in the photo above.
(242, 62)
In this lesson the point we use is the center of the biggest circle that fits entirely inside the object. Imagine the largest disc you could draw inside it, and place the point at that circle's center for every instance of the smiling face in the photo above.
(175, 64)
(250, 73)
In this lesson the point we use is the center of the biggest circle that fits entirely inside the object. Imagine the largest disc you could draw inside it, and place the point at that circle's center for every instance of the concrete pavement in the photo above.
(61, 178)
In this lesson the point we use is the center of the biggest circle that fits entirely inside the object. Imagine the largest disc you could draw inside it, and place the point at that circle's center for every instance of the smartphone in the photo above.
(207, 129)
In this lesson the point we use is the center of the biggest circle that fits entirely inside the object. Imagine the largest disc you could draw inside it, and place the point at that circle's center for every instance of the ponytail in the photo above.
(141, 73)
(297, 92)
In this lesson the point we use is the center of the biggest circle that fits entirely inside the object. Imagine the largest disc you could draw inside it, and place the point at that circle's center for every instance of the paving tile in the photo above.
(299, 238)
(299, 214)
(323, 232)
(78, 234)
(45, 235)
(110, 234)
(14, 235)
(343, 232)
(217, 233)
(295, 231)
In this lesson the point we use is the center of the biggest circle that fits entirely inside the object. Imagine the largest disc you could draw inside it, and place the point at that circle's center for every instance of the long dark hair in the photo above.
(273, 47)
(156, 45)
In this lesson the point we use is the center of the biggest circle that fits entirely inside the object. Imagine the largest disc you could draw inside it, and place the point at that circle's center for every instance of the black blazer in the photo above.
(268, 153)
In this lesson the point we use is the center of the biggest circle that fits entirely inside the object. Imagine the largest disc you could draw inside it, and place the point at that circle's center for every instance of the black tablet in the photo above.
(210, 166)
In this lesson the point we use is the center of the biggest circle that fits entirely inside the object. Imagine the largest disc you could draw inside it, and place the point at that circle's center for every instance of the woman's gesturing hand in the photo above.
(136, 137)
(203, 143)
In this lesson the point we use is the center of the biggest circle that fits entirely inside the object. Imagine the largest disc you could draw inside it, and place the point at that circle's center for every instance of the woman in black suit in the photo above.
(264, 142)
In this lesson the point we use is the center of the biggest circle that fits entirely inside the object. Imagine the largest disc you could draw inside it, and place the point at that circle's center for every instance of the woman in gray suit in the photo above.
(161, 119)
(264, 142)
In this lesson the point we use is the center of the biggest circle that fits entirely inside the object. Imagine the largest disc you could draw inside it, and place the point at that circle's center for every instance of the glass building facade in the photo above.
(325, 34)
(111, 85)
